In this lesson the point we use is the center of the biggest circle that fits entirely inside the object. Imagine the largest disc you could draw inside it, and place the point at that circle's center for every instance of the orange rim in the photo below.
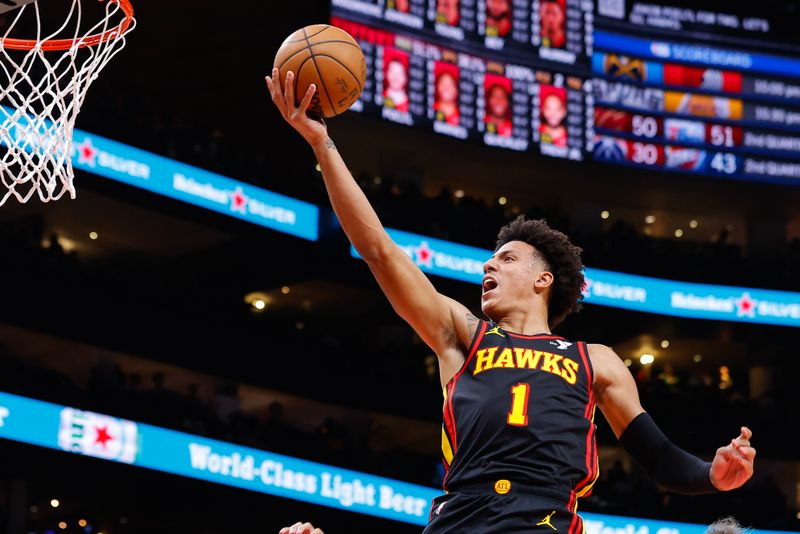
(66, 44)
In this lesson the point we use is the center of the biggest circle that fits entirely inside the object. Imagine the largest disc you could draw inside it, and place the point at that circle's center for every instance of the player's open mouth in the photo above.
(489, 283)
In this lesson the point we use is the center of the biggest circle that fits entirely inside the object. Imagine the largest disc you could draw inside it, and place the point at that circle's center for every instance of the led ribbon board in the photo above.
(196, 186)
(619, 290)
(110, 438)
(163, 176)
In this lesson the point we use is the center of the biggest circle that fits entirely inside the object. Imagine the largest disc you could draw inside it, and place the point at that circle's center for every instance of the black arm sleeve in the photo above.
(666, 463)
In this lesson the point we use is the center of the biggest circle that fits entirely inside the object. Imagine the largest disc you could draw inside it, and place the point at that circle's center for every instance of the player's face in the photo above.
(553, 111)
(396, 76)
(509, 279)
(448, 92)
(402, 6)
(497, 8)
(552, 18)
(498, 102)
(448, 8)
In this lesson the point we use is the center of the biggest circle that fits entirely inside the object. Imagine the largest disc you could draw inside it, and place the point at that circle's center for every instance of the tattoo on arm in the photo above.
(472, 324)
(329, 144)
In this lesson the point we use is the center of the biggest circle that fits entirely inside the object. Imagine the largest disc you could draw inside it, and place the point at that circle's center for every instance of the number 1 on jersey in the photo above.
(518, 416)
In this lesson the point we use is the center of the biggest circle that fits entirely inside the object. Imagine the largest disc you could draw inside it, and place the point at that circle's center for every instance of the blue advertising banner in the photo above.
(196, 186)
(163, 176)
(619, 290)
(696, 54)
(110, 438)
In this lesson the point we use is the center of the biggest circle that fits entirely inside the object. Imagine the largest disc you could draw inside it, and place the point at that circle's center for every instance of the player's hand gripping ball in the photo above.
(329, 58)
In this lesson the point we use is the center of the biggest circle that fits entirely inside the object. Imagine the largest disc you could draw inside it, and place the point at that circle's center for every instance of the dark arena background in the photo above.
(191, 346)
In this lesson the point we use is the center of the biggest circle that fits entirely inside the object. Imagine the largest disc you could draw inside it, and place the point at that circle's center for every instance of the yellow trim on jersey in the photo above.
(575, 511)
(588, 487)
(447, 450)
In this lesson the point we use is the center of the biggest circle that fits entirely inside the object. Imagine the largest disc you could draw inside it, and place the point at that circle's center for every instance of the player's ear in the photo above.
(543, 280)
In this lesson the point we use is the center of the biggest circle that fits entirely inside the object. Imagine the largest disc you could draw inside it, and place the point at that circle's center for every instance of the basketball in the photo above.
(329, 58)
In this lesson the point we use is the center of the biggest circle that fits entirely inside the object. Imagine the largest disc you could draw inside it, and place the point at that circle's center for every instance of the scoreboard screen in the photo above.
(675, 86)
(692, 89)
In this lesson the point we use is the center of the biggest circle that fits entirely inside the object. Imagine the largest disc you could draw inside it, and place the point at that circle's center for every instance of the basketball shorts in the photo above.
(482, 511)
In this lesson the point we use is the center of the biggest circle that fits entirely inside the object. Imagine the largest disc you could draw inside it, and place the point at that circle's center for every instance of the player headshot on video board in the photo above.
(498, 17)
(395, 79)
(553, 17)
(553, 102)
(445, 99)
(447, 12)
(498, 105)
(403, 6)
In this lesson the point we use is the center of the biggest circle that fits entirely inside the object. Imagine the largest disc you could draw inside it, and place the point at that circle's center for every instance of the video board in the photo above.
(672, 87)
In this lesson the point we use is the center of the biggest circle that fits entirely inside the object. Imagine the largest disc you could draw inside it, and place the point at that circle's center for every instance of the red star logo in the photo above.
(424, 254)
(87, 154)
(587, 287)
(746, 305)
(239, 201)
(103, 437)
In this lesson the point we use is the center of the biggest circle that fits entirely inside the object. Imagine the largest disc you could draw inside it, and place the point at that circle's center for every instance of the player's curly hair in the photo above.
(561, 258)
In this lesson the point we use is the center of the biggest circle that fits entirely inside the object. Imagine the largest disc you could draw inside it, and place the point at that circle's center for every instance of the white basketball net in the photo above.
(41, 93)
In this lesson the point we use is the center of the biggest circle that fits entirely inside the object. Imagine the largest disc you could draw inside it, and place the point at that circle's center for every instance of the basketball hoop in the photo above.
(43, 82)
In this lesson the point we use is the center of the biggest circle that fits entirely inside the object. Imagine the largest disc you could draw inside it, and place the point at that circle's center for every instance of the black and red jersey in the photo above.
(521, 410)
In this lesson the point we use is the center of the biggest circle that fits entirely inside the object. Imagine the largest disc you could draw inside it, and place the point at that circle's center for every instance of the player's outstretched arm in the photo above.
(667, 464)
(443, 323)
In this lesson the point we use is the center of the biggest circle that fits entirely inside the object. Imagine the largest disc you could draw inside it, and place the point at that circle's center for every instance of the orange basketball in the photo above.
(329, 58)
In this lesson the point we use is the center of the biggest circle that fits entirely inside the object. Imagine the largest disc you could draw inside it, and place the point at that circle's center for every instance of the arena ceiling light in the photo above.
(257, 300)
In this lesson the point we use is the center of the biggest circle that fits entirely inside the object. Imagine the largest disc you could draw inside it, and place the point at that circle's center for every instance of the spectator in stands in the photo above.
(225, 403)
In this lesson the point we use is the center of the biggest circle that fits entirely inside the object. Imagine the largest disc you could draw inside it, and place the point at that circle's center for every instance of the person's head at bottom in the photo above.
(726, 525)
(301, 528)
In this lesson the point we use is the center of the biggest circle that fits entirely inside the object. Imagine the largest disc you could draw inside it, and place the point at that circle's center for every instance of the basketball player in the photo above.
(554, 111)
(498, 110)
(518, 438)
(553, 23)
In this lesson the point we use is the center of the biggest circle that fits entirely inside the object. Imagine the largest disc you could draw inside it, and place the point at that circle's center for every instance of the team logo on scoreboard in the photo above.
(98, 435)
(688, 159)
(703, 105)
(684, 131)
(610, 149)
(646, 98)
(625, 67)
(660, 49)
(612, 119)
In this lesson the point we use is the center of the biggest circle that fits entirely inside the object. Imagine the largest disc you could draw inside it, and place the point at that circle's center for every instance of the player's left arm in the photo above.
(668, 464)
